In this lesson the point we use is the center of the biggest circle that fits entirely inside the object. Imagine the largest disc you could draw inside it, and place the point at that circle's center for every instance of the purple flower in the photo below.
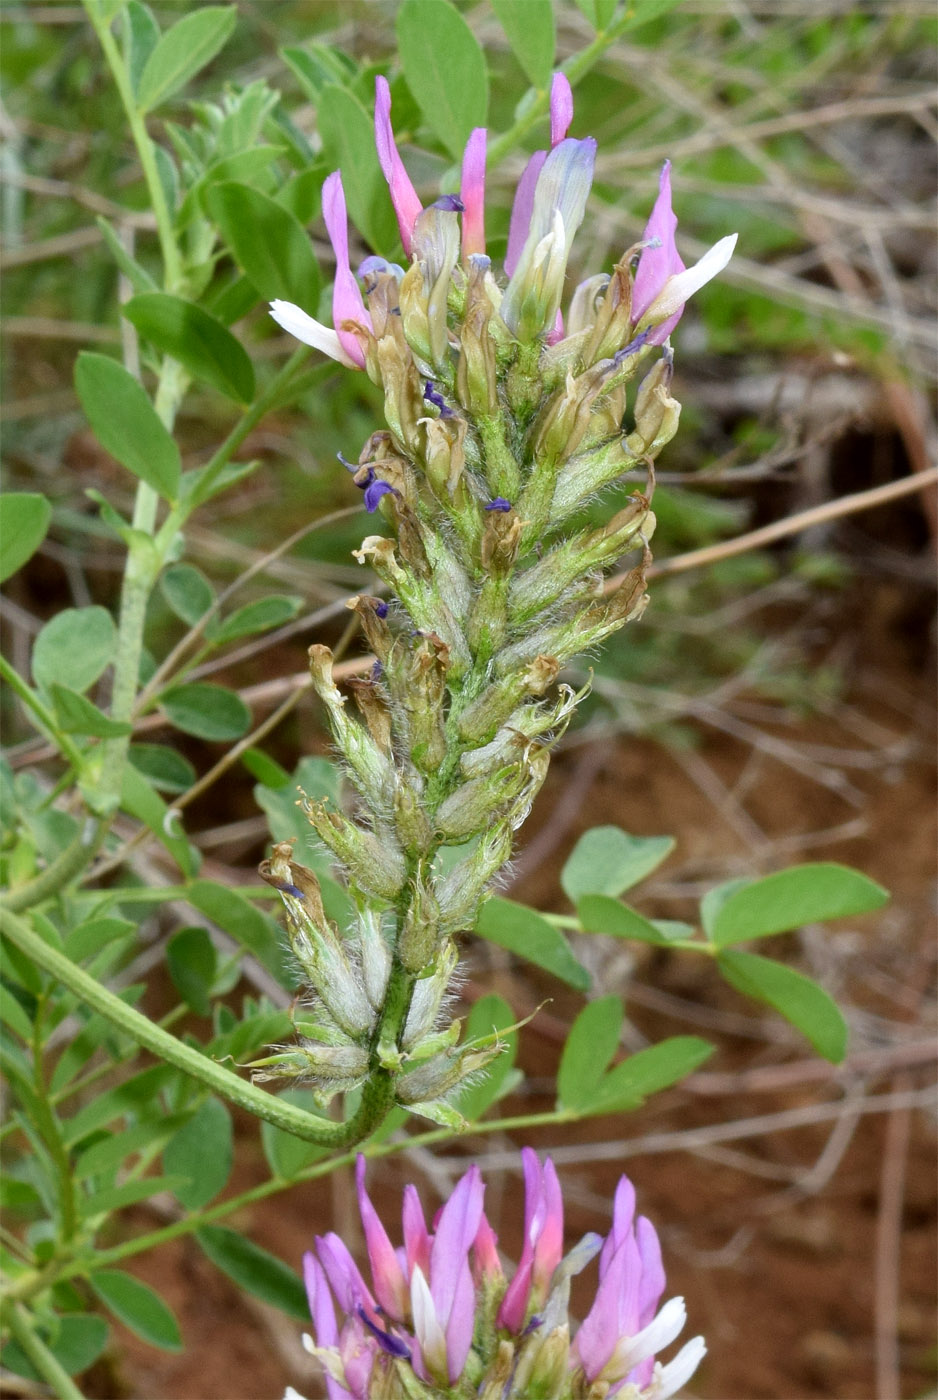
(662, 283)
(499, 503)
(403, 195)
(472, 193)
(439, 1303)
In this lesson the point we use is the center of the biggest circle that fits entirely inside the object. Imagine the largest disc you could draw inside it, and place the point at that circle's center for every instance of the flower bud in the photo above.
(484, 716)
(460, 892)
(476, 382)
(375, 865)
(420, 935)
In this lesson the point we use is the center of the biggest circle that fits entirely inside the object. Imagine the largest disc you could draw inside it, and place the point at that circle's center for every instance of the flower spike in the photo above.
(437, 1323)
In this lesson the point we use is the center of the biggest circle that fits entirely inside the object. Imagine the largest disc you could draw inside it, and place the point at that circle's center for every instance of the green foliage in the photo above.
(255, 1270)
(201, 1153)
(445, 69)
(24, 521)
(268, 242)
(74, 648)
(126, 423)
(206, 710)
(138, 1307)
(606, 860)
(530, 31)
(524, 931)
(803, 895)
(182, 51)
(187, 333)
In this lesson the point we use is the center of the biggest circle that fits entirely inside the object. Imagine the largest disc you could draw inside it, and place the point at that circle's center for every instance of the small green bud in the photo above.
(488, 713)
(419, 938)
(375, 865)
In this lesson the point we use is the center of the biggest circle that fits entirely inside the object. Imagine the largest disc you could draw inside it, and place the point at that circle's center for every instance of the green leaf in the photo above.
(112, 1151)
(801, 1001)
(316, 65)
(24, 521)
(190, 335)
(187, 591)
(348, 142)
(258, 616)
(202, 1152)
(191, 960)
(237, 915)
(129, 1194)
(137, 1094)
(714, 900)
(270, 245)
(287, 1155)
(529, 29)
(255, 1270)
(185, 48)
(143, 37)
(165, 768)
(14, 1016)
(489, 1013)
(137, 275)
(527, 933)
(77, 715)
(74, 648)
(600, 12)
(805, 894)
(607, 860)
(94, 934)
(208, 711)
(125, 422)
(445, 69)
(138, 1307)
(141, 801)
(591, 1043)
(628, 1084)
(76, 1343)
(600, 914)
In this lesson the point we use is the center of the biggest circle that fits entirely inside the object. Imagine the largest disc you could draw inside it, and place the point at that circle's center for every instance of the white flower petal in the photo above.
(291, 1394)
(679, 288)
(659, 1333)
(310, 331)
(677, 1372)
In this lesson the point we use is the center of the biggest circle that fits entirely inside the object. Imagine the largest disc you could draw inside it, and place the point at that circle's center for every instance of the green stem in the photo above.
(66, 864)
(49, 1368)
(49, 1127)
(376, 1098)
(172, 259)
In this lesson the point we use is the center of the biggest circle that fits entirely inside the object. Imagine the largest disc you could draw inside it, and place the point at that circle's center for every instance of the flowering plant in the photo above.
(441, 1318)
(503, 418)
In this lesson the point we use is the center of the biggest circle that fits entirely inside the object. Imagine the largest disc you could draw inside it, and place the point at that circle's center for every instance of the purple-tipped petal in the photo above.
(387, 1276)
(561, 108)
(403, 195)
(347, 303)
(346, 1282)
(373, 493)
(472, 193)
(661, 261)
(521, 211)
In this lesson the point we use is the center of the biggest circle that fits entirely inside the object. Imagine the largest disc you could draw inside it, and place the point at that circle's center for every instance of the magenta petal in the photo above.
(548, 1249)
(472, 193)
(623, 1213)
(461, 1324)
(342, 1272)
(456, 1229)
(325, 1331)
(347, 304)
(416, 1236)
(653, 1281)
(403, 195)
(656, 265)
(485, 1246)
(387, 1276)
(514, 1305)
(521, 211)
(561, 108)
(614, 1313)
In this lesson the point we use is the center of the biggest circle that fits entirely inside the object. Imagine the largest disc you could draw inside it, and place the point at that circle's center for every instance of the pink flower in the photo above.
(662, 283)
(403, 195)
(439, 1305)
